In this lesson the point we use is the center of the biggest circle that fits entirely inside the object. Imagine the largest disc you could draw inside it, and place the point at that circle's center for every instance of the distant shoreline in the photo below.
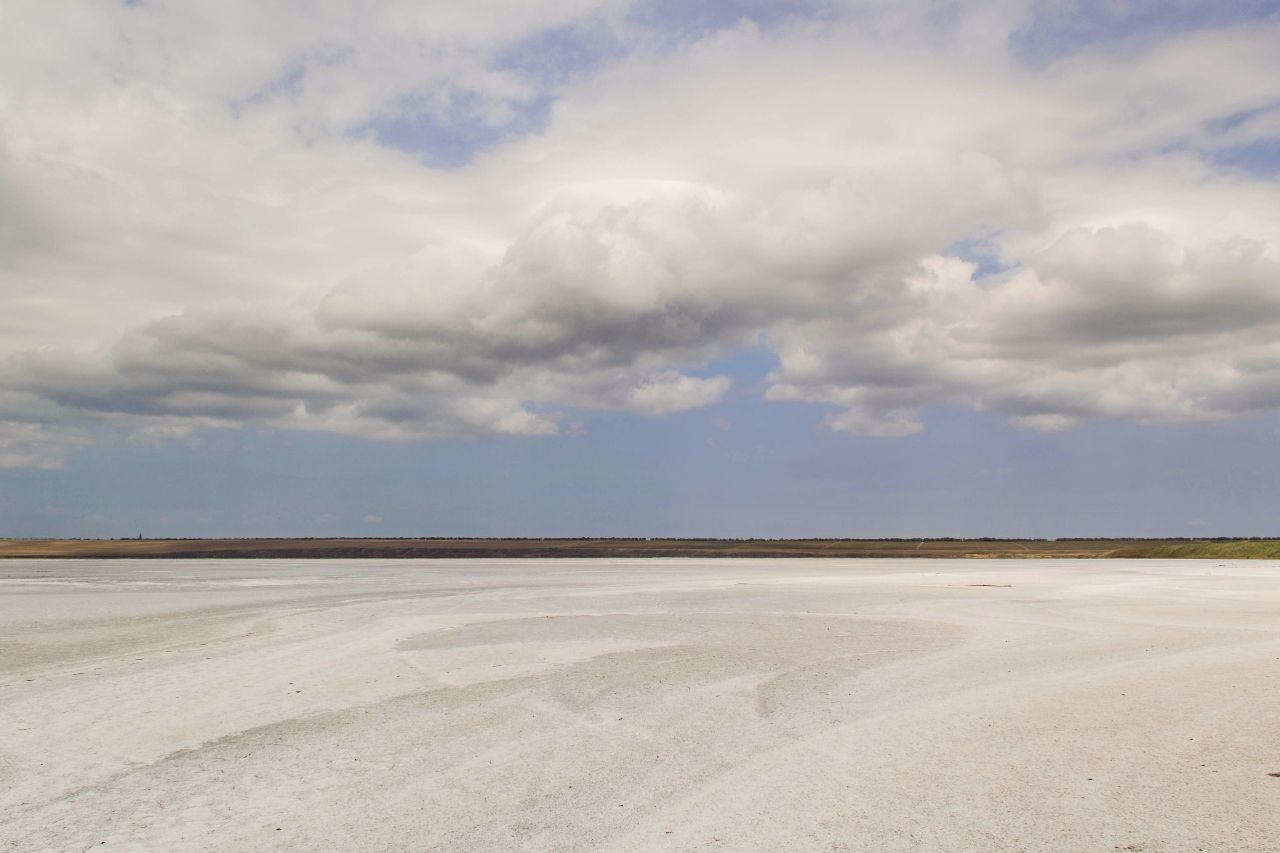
(339, 548)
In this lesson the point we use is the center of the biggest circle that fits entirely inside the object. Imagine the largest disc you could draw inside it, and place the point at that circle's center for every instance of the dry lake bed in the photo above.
(878, 705)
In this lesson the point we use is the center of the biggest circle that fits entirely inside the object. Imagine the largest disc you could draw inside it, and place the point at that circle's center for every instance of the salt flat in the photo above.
(640, 705)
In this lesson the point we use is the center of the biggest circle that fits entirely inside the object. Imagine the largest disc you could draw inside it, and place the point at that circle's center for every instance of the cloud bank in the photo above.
(214, 216)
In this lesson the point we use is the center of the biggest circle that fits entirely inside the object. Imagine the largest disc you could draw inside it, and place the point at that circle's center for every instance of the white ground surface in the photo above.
(640, 705)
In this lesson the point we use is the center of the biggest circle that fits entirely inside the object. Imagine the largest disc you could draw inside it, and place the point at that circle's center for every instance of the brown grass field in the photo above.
(621, 548)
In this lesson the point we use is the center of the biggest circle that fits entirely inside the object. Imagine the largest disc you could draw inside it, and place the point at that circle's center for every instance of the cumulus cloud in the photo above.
(204, 222)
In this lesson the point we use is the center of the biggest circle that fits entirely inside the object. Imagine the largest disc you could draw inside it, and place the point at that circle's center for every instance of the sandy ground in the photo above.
(640, 705)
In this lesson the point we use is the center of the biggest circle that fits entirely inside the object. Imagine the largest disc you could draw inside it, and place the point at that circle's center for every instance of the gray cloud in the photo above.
(207, 243)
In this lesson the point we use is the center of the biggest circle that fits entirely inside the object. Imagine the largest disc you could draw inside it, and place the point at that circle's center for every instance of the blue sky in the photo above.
(738, 469)
(731, 269)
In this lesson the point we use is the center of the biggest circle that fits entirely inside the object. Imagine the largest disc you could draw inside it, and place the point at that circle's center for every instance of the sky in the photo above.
(640, 268)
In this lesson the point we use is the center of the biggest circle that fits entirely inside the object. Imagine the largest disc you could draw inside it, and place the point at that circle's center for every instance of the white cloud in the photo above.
(197, 227)
(670, 392)
(856, 422)
(25, 445)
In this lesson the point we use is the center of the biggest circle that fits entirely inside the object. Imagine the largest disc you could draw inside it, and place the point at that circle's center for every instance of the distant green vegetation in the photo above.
(1216, 549)
(1256, 548)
